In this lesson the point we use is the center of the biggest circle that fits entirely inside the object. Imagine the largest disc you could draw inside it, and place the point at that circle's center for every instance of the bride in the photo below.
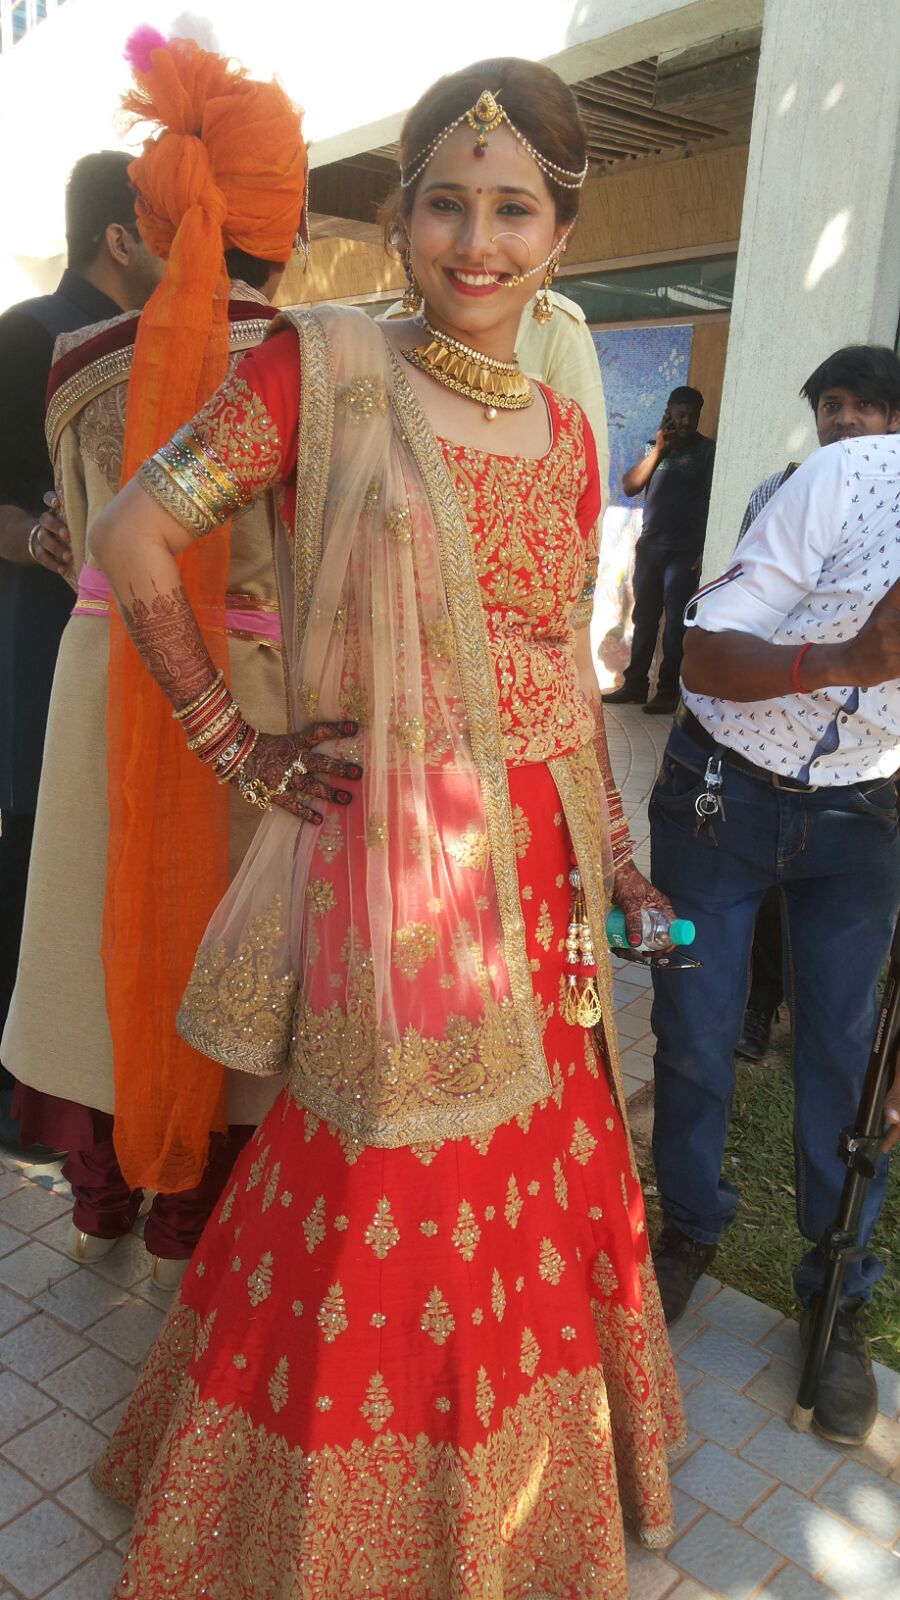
(419, 1350)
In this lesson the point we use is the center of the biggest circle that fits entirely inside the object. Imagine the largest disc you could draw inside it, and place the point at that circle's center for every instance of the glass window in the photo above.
(685, 289)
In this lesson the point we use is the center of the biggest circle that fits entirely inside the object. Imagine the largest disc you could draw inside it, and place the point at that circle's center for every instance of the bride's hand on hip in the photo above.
(633, 893)
(289, 771)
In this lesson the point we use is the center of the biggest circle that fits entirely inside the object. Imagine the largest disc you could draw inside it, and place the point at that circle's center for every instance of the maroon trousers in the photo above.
(104, 1204)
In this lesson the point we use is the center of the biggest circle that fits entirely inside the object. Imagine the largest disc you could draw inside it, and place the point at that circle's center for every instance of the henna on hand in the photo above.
(633, 893)
(166, 636)
(273, 753)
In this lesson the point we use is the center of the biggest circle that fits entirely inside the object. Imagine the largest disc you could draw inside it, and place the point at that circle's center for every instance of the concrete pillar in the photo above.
(819, 259)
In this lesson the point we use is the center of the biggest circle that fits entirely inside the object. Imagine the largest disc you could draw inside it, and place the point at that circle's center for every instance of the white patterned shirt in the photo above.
(821, 554)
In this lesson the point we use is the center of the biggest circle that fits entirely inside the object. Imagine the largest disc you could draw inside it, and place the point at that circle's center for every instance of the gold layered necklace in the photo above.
(495, 385)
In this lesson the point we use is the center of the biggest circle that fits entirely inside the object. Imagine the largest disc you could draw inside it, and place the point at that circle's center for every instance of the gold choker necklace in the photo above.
(496, 385)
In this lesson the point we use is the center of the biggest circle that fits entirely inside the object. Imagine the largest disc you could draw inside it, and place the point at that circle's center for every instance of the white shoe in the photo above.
(81, 1246)
(167, 1274)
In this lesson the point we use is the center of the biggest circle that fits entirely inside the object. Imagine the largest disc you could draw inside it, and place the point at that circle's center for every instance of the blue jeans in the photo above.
(834, 856)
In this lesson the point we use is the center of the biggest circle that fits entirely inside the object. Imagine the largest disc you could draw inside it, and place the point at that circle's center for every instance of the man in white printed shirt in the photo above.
(792, 697)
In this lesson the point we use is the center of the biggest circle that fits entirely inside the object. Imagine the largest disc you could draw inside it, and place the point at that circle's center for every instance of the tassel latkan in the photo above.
(581, 1008)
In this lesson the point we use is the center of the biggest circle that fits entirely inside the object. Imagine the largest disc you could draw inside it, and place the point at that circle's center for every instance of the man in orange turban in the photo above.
(220, 186)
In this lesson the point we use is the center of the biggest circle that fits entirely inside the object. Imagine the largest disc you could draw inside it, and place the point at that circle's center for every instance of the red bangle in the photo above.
(795, 668)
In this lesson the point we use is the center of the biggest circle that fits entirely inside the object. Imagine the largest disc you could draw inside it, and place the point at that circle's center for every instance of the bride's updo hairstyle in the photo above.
(541, 107)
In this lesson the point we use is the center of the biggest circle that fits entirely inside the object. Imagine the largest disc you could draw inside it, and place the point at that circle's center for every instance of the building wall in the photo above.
(675, 206)
(707, 368)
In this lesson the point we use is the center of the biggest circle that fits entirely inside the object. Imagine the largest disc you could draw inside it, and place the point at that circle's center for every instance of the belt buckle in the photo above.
(793, 785)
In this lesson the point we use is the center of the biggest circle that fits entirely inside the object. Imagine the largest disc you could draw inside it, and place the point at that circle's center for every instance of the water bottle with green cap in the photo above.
(657, 932)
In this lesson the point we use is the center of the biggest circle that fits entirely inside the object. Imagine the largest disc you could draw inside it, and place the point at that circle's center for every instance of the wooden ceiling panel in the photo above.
(636, 115)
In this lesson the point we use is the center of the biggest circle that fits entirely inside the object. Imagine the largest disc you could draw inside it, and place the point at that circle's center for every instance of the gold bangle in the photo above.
(201, 699)
(216, 727)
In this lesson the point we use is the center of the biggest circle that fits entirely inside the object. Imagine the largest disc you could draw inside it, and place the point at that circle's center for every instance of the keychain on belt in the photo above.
(711, 803)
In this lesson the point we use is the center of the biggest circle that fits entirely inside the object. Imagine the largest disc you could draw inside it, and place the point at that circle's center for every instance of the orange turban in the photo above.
(226, 168)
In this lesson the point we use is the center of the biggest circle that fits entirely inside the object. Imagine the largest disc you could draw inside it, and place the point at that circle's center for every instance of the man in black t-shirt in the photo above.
(676, 474)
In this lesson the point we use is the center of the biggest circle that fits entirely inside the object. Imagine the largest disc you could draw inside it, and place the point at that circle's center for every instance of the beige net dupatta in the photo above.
(382, 956)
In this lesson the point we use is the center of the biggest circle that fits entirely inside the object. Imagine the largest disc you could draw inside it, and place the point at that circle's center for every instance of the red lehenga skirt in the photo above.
(439, 1373)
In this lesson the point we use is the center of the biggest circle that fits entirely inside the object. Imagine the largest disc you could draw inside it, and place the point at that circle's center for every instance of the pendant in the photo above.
(490, 413)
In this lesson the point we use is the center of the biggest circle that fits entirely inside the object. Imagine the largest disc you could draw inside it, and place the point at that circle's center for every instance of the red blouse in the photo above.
(533, 523)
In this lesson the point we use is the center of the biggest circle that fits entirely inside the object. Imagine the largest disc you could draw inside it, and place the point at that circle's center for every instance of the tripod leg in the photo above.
(858, 1149)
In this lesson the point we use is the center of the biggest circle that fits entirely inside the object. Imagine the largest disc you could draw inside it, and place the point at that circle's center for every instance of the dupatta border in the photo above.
(476, 673)
(315, 432)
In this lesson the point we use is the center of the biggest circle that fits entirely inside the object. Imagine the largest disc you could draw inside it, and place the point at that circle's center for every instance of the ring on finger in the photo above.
(256, 793)
(34, 536)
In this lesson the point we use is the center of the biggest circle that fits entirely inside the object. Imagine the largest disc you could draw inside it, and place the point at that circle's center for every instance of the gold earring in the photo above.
(412, 296)
(542, 310)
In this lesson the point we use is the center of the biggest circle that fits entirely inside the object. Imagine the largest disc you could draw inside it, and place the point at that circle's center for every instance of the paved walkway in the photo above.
(763, 1513)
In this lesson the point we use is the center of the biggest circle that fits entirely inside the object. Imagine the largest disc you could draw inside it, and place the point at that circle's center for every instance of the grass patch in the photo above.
(758, 1253)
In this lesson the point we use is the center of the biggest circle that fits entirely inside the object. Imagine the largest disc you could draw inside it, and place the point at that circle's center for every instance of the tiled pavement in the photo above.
(763, 1513)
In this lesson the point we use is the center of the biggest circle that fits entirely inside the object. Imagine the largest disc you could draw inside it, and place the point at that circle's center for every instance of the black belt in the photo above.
(695, 730)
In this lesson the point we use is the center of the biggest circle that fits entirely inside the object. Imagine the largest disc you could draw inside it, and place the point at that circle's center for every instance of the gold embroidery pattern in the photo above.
(583, 1143)
(467, 1233)
(382, 1234)
(387, 1094)
(524, 528)
(204, 1332)
(236, 1008)
(378, 1408)
(470, 850)
(438, 1320)
(259, 1283)
(314, 1225)
(376, 833)
(410, 735)
(107, 371)
(560, 1186)
(278, 1385)
(498, 1296)
(544, 930)
(484, 1398)
(279, 1519)
(364, 398)
(271, 1188)
(332, 1314)
(439, 639)
(399, 525)
(604, 1275)
(514, 1202)
(551, 1265)
(529, 1354)
(330, 838)
(314, 435)
(320, 897)
(414, 944)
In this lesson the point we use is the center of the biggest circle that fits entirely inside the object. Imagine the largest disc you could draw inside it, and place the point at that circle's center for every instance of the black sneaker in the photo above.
(626, 696)
(847, 1401)
(662, 705)
(680, 1263)
(755, 1034)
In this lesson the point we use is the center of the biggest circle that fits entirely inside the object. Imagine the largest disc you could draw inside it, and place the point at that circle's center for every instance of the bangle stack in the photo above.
(619, 834)
(216, 731)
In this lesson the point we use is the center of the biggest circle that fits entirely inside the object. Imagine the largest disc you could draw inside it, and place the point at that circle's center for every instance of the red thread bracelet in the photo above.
(795, 668)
